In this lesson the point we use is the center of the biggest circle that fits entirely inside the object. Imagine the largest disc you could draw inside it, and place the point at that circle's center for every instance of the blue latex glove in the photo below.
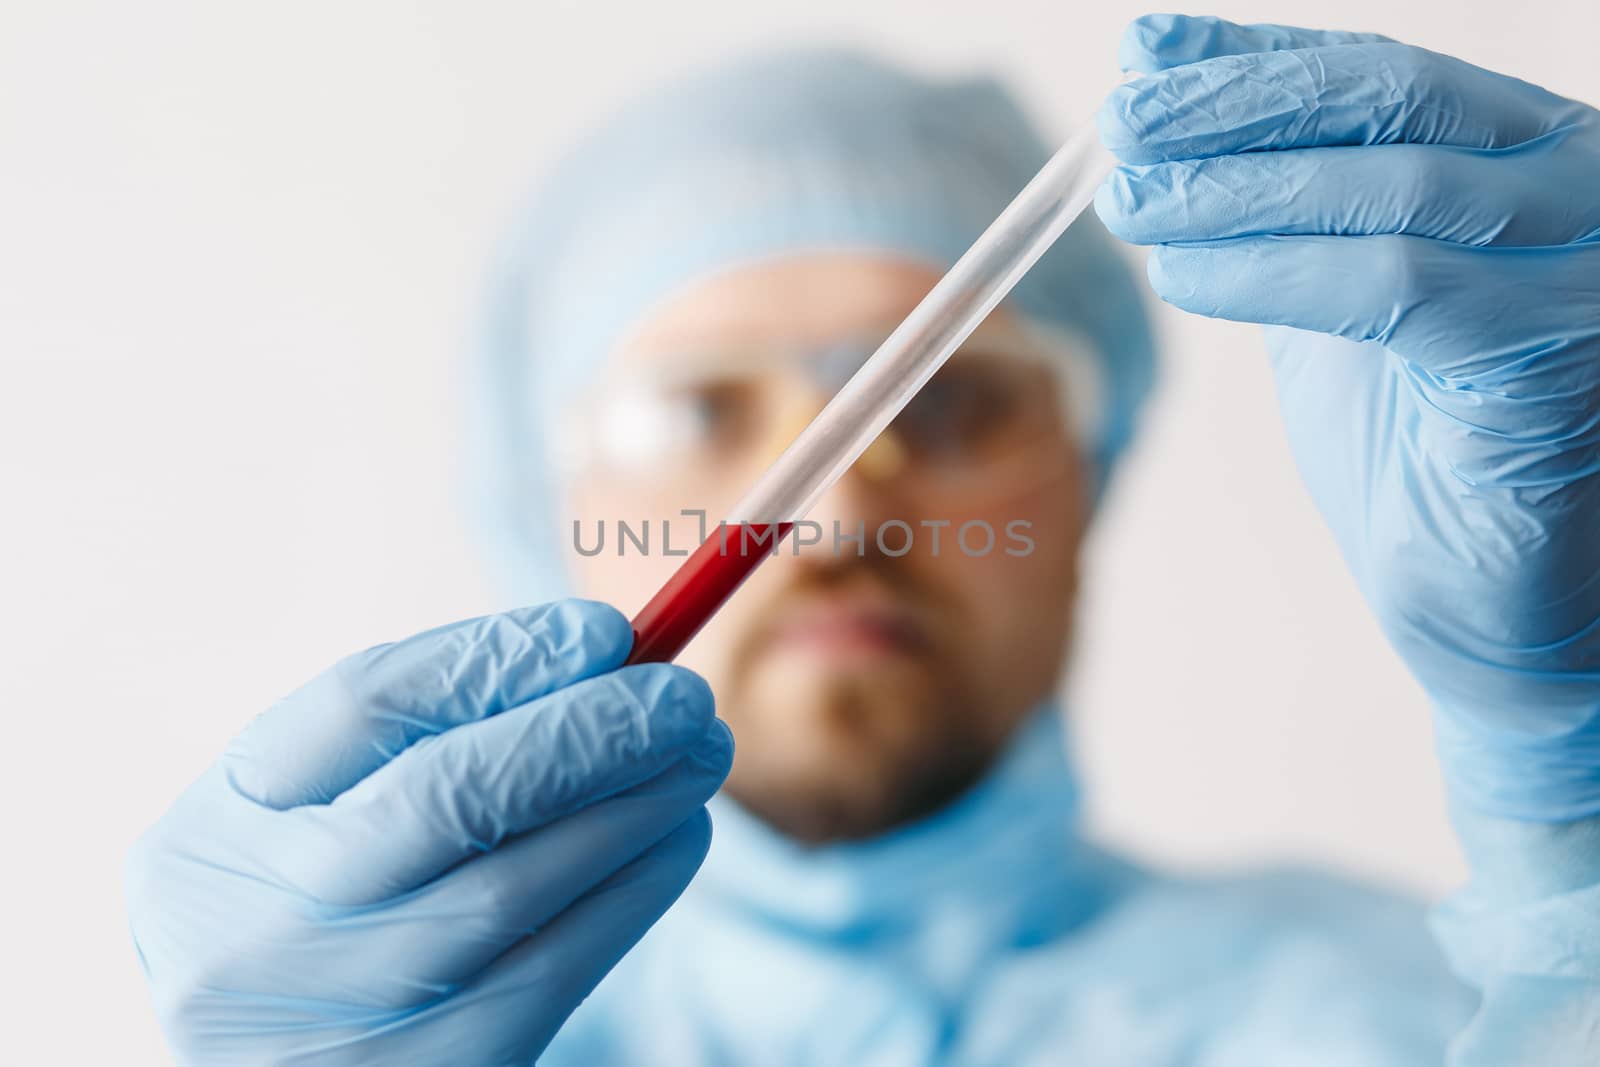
(1432, 232)
(433, 851)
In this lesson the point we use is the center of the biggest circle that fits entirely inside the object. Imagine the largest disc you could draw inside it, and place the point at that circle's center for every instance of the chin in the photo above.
(844, 749)
(858, 709)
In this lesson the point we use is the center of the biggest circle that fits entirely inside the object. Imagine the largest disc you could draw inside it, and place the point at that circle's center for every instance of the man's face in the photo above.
(864, 687)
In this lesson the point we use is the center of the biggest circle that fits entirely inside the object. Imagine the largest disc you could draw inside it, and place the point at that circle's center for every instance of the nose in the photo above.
(846, 521)
(858, 516)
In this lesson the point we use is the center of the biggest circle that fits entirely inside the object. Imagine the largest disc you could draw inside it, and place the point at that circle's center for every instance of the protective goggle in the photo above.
(715, 416)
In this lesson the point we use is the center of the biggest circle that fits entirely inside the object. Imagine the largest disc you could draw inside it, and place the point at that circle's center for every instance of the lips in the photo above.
(842, 627)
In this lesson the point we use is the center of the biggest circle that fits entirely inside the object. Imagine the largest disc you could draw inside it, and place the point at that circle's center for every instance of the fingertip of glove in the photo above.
(1193, 278)
(656, 878)
(1168, 273)
(715, 750)
(677, 701)
(591, 630)
(692, 839)
(1116, 202)
(1112, 120)
(1142, 39)
(1133, 121)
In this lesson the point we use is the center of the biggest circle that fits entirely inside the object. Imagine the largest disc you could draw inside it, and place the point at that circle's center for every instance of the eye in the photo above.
(712, 415)
(961, 410)
(658, 427)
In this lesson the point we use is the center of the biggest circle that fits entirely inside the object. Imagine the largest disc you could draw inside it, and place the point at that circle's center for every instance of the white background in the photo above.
(239, 252)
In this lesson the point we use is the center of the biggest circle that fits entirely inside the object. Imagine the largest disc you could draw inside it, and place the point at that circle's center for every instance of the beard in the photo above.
(848, 749)
(870, 765)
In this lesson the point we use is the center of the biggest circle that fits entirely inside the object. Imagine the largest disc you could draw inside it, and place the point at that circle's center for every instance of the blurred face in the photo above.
(869, 681)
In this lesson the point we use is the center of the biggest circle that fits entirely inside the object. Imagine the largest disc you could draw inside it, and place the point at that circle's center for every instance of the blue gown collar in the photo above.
(1007, 849)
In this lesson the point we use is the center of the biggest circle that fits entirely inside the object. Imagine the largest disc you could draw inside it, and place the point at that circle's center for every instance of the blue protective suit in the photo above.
(993, 933)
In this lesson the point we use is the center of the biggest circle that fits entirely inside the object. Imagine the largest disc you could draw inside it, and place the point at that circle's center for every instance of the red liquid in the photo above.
(698, 588)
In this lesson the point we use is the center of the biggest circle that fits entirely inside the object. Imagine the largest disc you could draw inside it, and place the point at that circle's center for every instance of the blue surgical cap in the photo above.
(804, 151)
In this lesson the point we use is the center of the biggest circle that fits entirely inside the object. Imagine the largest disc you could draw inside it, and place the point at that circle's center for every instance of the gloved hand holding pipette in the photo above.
(1424, 237)
(1422, 226)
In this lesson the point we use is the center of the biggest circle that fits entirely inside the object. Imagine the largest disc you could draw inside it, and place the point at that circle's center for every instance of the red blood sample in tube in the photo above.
(699, 586)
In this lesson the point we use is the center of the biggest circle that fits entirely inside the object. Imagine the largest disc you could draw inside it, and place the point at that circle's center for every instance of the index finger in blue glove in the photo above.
(1422, 299)
(1536, 194)
(1154, 43)
(462, 793)
(368, 708)
(1348, 94)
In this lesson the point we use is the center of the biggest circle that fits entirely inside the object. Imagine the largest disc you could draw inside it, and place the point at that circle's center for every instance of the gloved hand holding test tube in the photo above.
(874, 395)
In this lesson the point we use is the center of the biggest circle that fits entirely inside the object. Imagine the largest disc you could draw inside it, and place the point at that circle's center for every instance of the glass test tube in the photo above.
(874, 395)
